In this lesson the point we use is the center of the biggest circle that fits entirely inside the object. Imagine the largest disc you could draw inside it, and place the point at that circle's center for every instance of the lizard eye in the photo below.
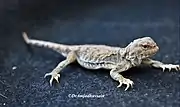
(145, 46)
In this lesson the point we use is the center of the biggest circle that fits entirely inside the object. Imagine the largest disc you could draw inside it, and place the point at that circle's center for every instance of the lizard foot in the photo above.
(125, 81)
(53, 75)
(170, 67)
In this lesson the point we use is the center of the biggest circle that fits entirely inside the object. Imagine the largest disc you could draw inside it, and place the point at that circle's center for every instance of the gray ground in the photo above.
(109, 22)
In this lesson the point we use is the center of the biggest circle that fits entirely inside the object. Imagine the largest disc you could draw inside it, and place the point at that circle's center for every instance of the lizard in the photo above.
(113, 58)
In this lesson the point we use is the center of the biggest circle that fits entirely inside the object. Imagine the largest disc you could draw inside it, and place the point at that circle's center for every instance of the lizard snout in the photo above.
(156, 48)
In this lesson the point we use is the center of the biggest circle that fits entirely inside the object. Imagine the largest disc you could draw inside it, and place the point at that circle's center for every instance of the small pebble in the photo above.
(166, 56)
(14, 67)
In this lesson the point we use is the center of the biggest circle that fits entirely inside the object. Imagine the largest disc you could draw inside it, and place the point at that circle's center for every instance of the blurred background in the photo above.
(110, 22)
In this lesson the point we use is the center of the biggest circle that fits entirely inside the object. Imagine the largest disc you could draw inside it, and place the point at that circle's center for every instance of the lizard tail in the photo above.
(61, 48)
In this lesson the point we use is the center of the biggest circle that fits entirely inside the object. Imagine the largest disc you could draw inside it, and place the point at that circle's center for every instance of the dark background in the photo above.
(113, 22)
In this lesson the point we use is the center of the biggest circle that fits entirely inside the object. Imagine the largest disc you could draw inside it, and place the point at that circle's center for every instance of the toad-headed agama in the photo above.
(116, 59)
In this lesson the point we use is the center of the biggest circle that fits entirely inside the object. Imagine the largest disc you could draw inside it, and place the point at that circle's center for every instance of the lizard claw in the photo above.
(170, 67)
(120, 84)
(163, 68)
(53, 76)
(127, 82)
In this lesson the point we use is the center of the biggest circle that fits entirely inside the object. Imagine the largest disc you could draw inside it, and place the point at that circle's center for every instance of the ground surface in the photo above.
(113, 23)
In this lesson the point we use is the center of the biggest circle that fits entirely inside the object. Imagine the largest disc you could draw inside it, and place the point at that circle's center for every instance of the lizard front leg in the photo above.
(158, 64)
(114, 73)
(71, 57)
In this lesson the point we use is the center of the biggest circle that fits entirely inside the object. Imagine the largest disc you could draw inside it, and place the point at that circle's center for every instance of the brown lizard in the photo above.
(116, 59)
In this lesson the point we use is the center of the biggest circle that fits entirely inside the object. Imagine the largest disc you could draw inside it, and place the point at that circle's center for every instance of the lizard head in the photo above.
(142, 48)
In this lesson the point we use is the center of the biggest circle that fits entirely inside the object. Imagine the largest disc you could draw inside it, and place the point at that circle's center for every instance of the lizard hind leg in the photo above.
(71, 57)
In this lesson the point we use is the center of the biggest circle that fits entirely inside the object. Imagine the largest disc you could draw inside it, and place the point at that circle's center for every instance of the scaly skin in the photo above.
(115, 59)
